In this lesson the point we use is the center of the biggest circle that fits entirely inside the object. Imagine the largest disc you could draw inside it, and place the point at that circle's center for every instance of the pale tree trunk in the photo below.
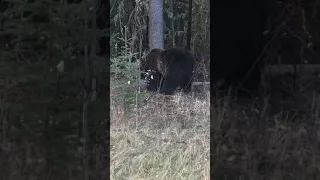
(155, 24)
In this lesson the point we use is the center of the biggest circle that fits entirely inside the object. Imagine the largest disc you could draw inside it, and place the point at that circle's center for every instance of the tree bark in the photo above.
(156, 24)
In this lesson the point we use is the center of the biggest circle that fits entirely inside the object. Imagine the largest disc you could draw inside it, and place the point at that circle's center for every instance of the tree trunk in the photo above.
(155, 24)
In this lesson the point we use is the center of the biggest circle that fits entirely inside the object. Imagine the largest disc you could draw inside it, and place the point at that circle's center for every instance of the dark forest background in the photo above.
(54, 97)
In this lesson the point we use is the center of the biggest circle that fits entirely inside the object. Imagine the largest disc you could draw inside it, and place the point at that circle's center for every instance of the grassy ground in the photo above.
(166, 138)
(272, 138)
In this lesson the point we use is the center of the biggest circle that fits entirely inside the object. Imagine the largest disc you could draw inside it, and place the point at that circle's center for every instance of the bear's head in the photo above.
(156, 59)
(150, 61)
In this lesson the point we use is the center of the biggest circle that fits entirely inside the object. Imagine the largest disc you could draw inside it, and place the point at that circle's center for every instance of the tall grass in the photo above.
(166, 138)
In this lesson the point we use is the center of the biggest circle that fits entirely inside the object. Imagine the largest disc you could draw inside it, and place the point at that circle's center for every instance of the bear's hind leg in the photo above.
(169, 86)
(186, 85)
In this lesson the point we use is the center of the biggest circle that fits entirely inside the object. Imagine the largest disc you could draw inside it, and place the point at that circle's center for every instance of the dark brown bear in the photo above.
(173, 69)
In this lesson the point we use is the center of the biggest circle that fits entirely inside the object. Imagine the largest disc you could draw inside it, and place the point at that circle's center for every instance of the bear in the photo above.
(153, 80)
(172, 69)
(150, 63)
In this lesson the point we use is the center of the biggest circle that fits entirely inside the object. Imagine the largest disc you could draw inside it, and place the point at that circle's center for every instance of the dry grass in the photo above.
(272, 138)
(275, 138)
(164, 139)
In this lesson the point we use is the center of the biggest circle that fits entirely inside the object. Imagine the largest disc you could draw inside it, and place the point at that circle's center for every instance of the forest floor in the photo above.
(266, 139)
(270, 137)
(275, 136)
(166, 138)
